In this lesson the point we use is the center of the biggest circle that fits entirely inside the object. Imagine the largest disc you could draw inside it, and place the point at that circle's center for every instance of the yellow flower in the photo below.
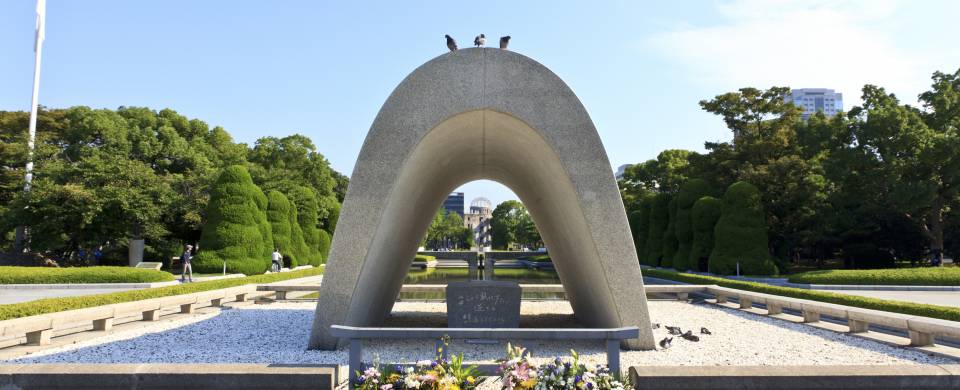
(471, 379)
(528, 384)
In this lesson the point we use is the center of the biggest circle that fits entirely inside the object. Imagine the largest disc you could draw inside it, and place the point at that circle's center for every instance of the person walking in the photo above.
(277, 260)
(185, 261)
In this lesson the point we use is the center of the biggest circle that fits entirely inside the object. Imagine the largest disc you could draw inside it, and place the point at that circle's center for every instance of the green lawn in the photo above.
(48, 275)
(923, 276)
(910, 308)
(52, 305)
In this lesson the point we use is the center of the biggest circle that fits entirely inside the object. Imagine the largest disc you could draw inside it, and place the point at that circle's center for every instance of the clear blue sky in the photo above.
(323, 69)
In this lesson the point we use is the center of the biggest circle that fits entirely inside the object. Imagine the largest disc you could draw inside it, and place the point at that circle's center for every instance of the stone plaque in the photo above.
(483, 304)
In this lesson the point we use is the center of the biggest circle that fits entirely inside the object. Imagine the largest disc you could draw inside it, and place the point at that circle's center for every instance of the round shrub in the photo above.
(670, 234)
(689, 193)
(703, 218)
(236, 230)
(659, 217)
(741, 234)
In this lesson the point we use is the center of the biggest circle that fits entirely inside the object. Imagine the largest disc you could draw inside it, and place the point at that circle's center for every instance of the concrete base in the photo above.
(482, 114)
(103, 325)
(166, 376)
(879, 377)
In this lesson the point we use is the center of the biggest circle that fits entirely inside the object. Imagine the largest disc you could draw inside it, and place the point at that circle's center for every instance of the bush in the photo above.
(740, 235)
(287, 236)
(929, 276)
(237, 230)
(704, 216)
(305, 201)
(689, 193)
(909, 308)
(46, 275)
(659, 217)
(670, 234)
(53, 305)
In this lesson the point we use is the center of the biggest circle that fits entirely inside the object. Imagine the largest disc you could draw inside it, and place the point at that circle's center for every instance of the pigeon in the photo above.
(665, 343)
(451, 44)
(689, 336)
(705, 331)
(504, 41)
(675, 330)
(656, 325)
(480, 40)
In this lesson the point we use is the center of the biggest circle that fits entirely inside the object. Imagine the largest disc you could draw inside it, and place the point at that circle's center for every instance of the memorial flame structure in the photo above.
(475, 114)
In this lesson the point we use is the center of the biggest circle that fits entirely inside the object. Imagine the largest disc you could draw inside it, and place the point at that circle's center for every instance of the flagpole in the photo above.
(34, 102)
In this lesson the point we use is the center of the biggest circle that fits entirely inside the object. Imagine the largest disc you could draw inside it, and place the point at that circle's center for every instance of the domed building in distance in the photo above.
(478, 221)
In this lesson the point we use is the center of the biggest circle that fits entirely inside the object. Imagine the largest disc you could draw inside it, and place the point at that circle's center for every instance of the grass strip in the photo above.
(925, 276)
(53, 305)
(83, 275)
(909, 308)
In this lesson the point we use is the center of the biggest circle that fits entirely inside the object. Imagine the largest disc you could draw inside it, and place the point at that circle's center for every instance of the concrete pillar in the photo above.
(746, 303)
(40, 337)
(472, 268)
(721, 298)
(103, 325)
(135, 252)
(682, 296)
(918, 339)
(488, 265)
(151, 315)
(241, 297)
(216, 302)
(858, 326)
(186, 308)
(810, 316)
(773, 308)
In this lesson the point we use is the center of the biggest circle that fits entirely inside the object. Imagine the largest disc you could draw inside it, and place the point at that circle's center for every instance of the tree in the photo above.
(526, 230)
(690, 192)
(670, 243)
(237, 231)
(324, 246)
(659, 218)
(741, 234)
(503, 223)
(703, 218)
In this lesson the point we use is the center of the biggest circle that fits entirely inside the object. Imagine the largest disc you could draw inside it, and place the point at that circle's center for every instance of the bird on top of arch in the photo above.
(478, 41)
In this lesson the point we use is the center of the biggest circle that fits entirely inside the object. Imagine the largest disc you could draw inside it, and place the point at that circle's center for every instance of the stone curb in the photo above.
(86, 286)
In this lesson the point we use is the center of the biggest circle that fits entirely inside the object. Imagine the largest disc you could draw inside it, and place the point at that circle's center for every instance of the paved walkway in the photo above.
(8, 296)
(943, 298)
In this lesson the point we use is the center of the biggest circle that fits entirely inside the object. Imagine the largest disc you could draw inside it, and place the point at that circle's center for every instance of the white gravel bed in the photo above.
(277, 333)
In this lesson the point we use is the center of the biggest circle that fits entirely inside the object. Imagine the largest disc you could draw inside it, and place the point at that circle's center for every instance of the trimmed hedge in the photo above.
(741, 234)
(237, 230)
(46, 275)
(640, 226)
(929, 276)
(324, 245)
(659, 217)
(53, 305)
(704, 216)
(909, 308)
(305, 201)
(690, 192)
(287, 236)
(670, 244)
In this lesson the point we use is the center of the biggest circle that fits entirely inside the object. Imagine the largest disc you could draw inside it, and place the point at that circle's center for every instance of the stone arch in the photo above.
(482, 114)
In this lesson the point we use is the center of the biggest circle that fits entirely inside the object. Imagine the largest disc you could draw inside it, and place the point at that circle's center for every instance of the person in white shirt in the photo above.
(277, 259)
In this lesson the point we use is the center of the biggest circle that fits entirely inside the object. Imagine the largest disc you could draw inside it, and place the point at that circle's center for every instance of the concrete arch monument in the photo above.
(482, 114)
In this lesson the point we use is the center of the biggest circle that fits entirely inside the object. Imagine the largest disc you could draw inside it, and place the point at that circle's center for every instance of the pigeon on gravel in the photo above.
(451, 44)
(674, 330)
(656, 325)
(665, 343)
(689, 336)
(480, 40)
(704, 331)
(504, 41)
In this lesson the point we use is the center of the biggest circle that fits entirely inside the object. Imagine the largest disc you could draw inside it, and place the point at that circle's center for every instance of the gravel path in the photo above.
(277, 333)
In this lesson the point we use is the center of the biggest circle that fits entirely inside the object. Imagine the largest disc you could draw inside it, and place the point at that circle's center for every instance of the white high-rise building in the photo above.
(812, 100)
